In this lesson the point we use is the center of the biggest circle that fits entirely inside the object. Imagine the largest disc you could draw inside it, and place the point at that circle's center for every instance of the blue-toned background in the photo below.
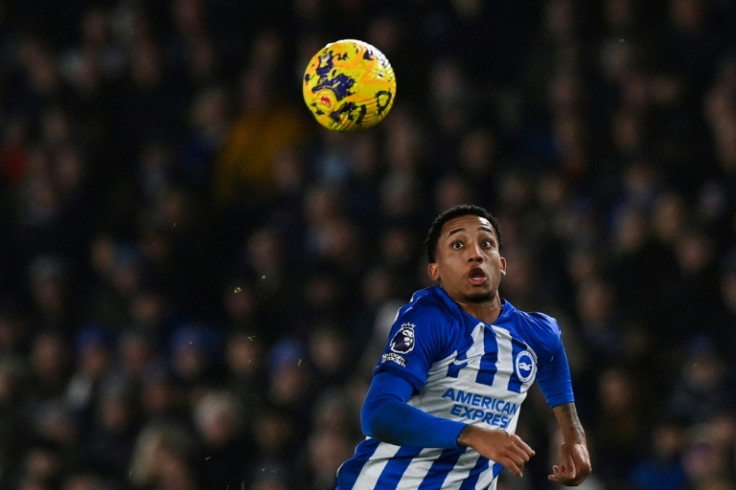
(196, 279)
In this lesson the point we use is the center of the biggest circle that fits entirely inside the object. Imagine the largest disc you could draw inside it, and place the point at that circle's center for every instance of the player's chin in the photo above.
(479, 296)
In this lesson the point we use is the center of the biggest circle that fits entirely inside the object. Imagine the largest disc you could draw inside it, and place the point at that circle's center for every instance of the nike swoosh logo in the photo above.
(462, 362)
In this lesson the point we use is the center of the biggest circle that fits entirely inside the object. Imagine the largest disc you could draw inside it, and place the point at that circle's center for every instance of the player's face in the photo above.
(468, 263)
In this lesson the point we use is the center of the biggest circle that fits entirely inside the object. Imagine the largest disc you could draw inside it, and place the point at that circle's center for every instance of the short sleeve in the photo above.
(554, 372)
(415, 342)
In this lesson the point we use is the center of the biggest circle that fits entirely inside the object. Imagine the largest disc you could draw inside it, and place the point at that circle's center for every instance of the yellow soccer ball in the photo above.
(349, 85)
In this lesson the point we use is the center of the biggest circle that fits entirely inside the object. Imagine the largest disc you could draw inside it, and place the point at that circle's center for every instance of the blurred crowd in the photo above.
(196, 279)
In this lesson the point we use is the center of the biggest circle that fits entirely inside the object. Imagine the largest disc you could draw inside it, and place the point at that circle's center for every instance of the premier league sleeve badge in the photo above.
(403, 340)
(401, 343)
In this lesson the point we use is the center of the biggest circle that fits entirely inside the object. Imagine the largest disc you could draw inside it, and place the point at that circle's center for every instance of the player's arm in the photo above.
(575, 463)
(554, 380)
(497, 445)
(417, 337)
(387, 417)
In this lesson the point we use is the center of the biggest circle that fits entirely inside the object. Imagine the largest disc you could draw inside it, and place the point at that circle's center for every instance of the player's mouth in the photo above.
(477, 276)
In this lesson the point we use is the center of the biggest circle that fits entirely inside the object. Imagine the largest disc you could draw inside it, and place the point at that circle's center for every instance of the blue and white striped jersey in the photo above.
(464, 370)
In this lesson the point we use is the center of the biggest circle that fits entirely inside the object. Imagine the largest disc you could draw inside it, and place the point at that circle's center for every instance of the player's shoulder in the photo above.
(429, 311)
(534, 323)
(541, 320)
(430, 303)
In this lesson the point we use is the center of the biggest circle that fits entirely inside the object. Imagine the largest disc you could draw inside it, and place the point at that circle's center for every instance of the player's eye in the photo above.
(487, 244)
(457, 245)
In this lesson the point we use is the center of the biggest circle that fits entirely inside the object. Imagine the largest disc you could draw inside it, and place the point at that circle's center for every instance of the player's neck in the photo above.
(485, 311)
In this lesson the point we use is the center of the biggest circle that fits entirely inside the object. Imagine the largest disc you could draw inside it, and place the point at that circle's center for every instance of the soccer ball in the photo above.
(349, 85)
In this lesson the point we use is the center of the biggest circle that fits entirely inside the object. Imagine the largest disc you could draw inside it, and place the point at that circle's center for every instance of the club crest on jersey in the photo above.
(403, 340)
(525, 366)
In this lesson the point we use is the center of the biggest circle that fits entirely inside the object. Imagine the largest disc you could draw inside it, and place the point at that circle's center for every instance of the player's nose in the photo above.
(474, 254)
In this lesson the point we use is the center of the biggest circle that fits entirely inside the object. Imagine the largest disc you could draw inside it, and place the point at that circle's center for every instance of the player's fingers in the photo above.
(581, 462)
(564, 475)
(512, 466)
(516, 460)
(520, 454)
(519, 443)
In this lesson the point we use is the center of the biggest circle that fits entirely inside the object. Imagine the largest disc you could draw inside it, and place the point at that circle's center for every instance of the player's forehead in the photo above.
(468, 223)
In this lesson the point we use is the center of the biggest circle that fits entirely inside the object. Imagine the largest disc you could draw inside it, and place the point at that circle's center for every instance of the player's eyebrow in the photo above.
(458, 230)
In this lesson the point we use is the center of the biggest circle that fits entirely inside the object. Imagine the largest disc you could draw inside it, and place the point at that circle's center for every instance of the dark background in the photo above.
(196, 279)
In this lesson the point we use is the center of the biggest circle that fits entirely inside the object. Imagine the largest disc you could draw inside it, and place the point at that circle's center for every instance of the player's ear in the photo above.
(433, 271)
(503, 266)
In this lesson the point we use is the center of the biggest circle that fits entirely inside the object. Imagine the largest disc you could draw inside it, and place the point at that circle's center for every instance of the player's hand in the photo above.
(575, 466)
(498, 445)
